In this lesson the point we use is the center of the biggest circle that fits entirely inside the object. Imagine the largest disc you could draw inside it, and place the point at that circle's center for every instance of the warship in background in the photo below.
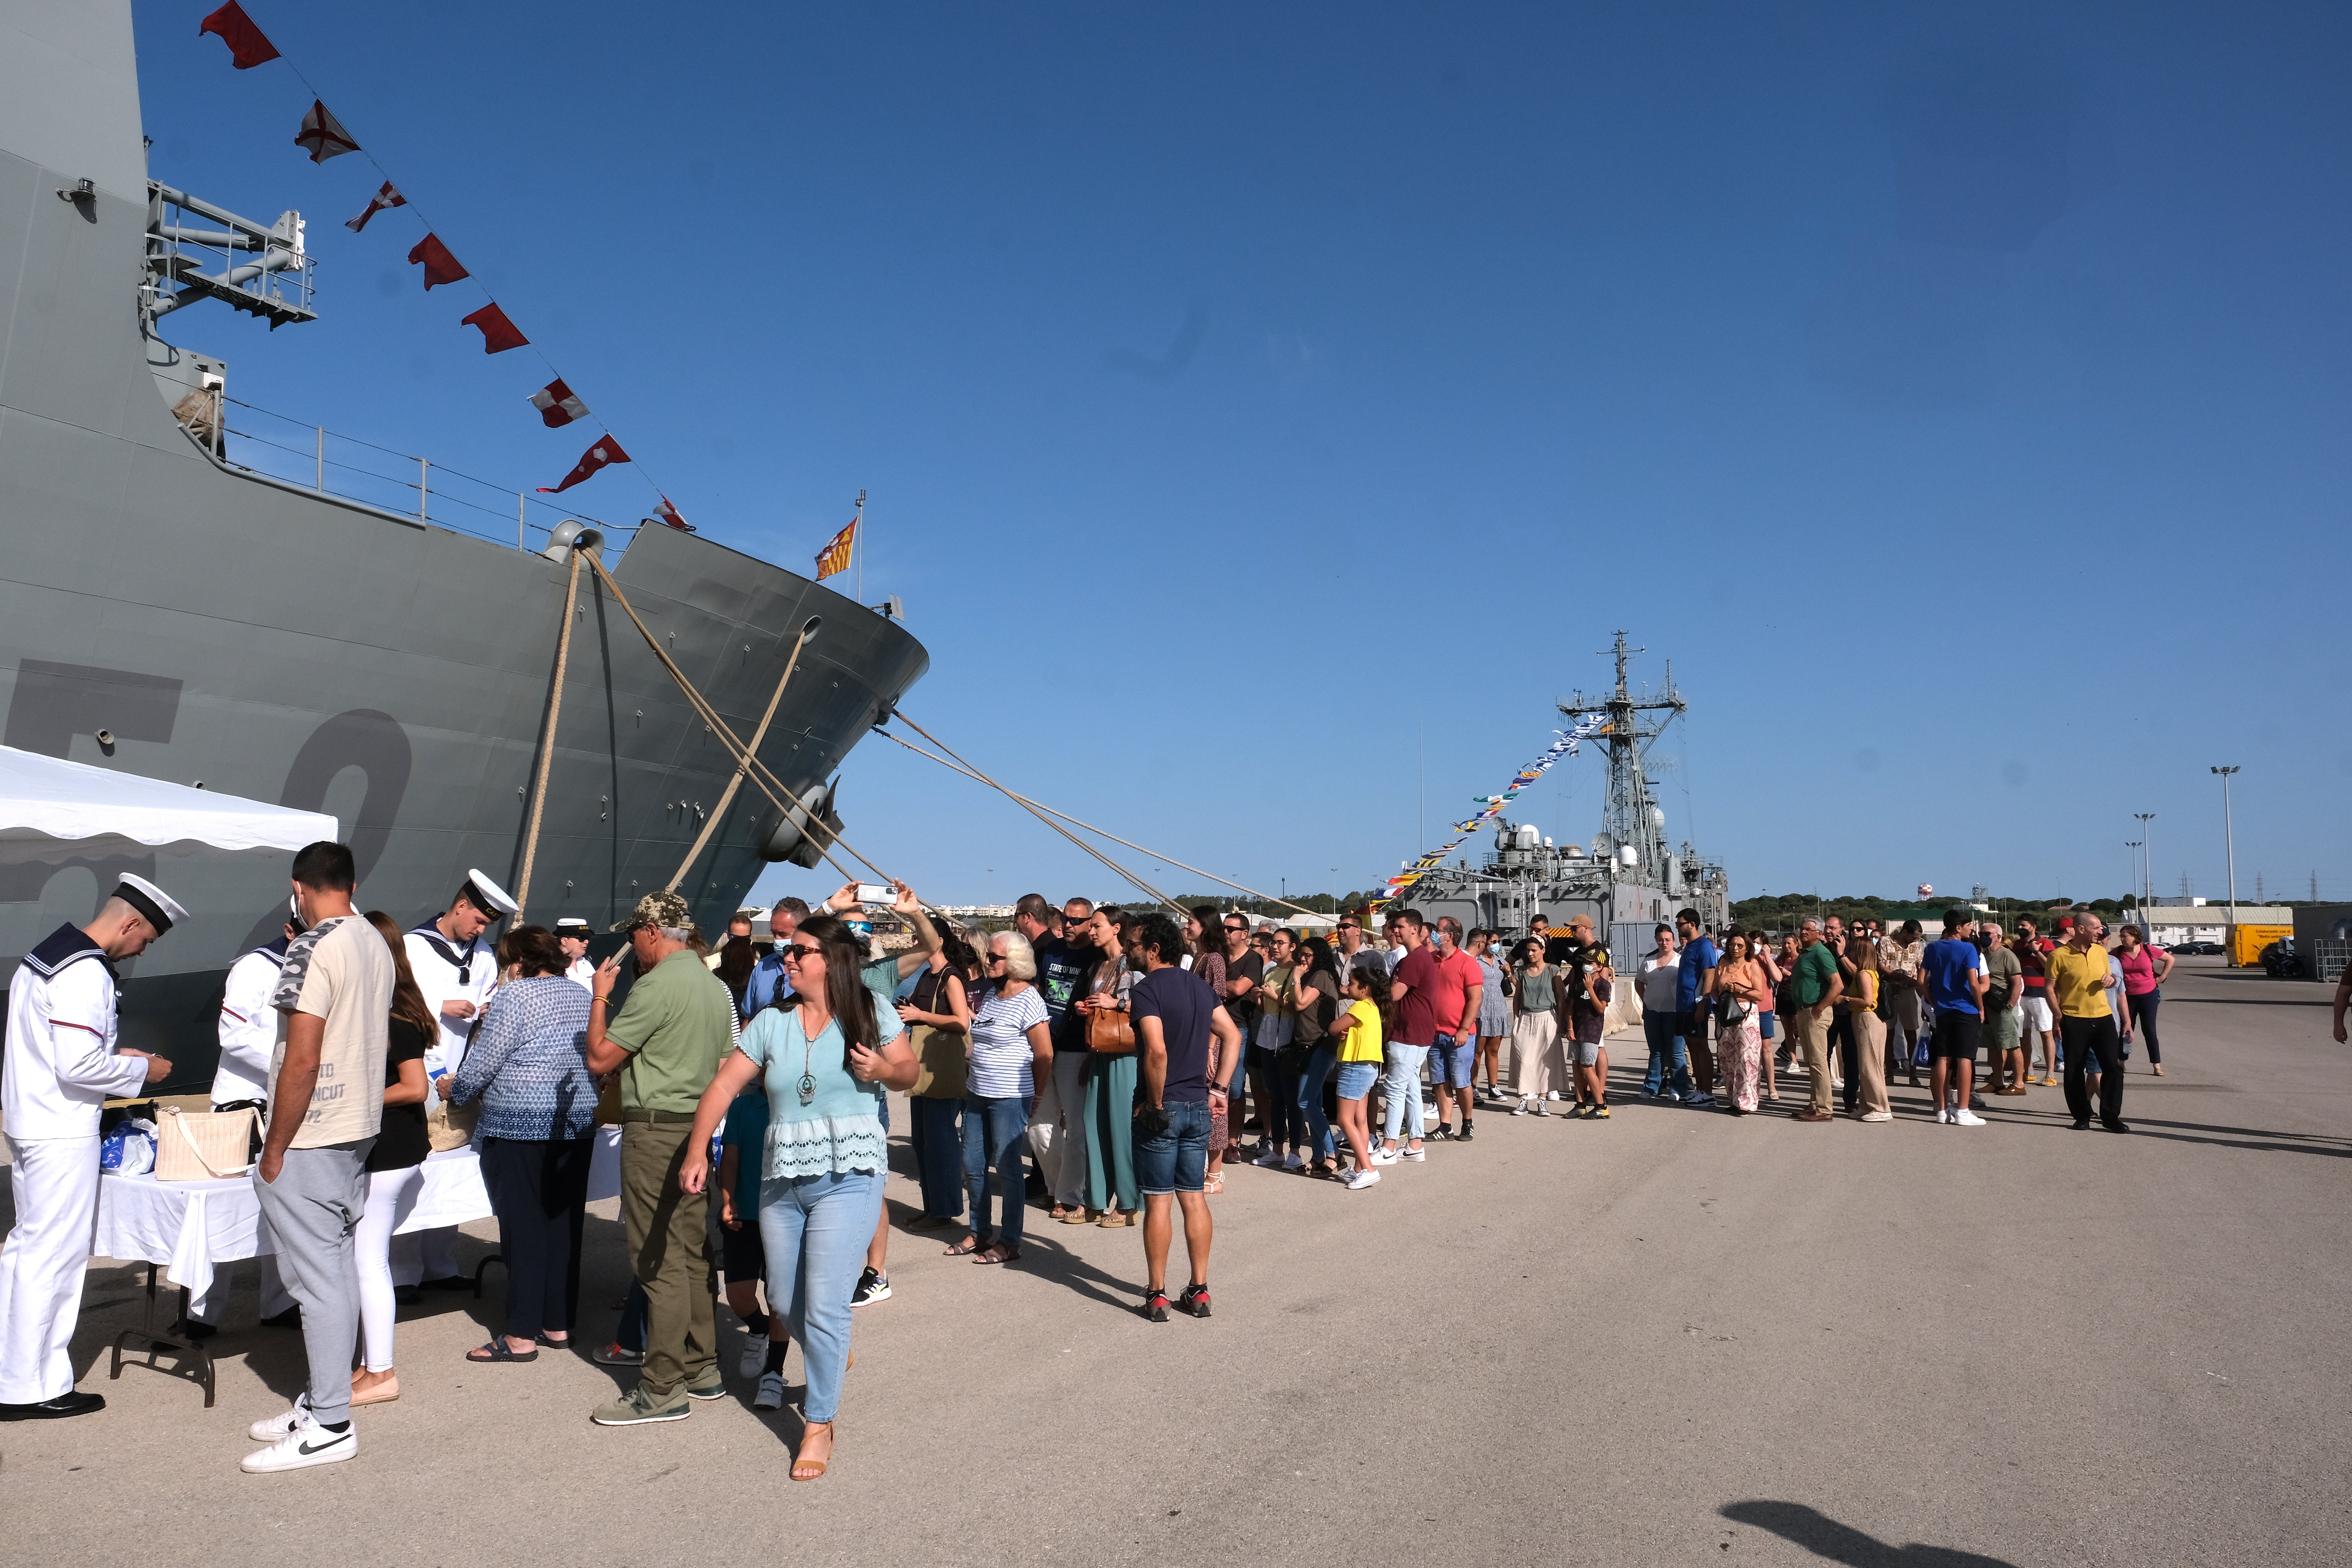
(168, 610)
(1628, 881)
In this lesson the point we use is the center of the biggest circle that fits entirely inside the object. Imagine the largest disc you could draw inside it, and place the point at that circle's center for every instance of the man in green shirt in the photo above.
(1819, 985)
(667, 1044)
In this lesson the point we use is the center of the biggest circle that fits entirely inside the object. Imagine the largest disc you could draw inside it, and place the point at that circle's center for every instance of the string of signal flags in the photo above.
(1569, 744)
(324, 136)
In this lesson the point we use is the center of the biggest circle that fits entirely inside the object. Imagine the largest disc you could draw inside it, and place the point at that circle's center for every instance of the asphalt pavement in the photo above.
(1673, 1337)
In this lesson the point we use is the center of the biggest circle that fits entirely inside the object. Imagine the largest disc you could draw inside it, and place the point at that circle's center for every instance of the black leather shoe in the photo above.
(2117, 1125)
(73, 1402)
(2082, 1124)
(447, 1283)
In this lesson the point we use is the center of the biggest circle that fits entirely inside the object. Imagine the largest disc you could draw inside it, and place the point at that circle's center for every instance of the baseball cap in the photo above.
(660, 907)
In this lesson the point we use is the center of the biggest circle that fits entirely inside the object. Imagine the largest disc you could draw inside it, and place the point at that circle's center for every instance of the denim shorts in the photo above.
(1176, 1161)
(1450, 1061)
(1356, 1079)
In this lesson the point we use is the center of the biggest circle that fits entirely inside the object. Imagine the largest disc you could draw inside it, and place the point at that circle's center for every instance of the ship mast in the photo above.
(1629, 817)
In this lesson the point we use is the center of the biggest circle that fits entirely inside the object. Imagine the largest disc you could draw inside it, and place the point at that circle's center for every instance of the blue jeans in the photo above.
(1403, 1086)
(1320, 1063)
(1668, 1065)
(1176, 1161)
(1356, 1080)
(816, 1230)
(1287, 1117)
(992, 1140)
(938, 1155)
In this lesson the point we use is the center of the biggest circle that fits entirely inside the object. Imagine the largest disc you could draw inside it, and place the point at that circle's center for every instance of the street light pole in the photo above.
(2229, 849)
(2148, 859)
(2134, 846)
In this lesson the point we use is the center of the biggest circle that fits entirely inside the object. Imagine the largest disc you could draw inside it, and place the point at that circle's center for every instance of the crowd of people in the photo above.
(1127, 1056)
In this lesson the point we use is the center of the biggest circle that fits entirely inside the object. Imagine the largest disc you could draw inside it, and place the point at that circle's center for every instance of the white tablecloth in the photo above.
(189, 1226)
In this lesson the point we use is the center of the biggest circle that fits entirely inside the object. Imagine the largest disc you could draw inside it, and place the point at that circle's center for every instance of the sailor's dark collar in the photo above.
(66, 944)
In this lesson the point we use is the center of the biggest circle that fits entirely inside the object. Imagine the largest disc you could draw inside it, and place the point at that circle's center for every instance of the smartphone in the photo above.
(874, 893)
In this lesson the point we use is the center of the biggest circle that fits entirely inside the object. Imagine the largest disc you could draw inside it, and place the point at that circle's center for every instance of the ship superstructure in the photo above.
(1629, 879)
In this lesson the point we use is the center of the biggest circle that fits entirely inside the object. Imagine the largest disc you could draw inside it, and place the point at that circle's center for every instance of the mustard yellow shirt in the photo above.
(2078, 982)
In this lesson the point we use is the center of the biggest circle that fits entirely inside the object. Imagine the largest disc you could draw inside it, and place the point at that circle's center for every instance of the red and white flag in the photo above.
(604, 452)
(557, 405)
(324, 134)
(499, 335)
(247, 45)
(384, 198)
(669, 514)
(440, 267)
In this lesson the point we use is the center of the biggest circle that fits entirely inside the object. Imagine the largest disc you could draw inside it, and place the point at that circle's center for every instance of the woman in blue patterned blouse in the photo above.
(825, 1056)
(528, 1067)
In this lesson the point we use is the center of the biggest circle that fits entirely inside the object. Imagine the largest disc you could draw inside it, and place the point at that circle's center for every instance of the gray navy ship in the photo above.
(1629, 879)
(166, 610)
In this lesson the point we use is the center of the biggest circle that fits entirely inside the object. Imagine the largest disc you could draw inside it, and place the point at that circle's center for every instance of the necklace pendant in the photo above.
(808, 1089)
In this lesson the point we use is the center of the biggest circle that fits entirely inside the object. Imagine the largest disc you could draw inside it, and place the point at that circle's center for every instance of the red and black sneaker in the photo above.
(1195, 1301)
(1155, 1307)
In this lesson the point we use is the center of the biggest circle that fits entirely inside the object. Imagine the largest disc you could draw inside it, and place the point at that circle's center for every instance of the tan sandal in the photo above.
(815, 1468)
(1117, 1219)
(384, 1393)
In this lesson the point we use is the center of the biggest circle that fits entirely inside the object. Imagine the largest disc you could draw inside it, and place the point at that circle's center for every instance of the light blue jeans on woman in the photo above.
(992, 1141)
(816, 1230)
(1403, 1089)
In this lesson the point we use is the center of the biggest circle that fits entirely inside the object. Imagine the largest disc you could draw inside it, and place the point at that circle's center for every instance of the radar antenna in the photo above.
(1630, 816)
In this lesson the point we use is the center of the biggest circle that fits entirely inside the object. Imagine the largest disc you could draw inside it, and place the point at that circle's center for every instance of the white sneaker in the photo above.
(1942, 1115)
(1967, 1118)
(1270, 1158)
(1297, 1161)
(1551, 1094)
(772, 1391)
(755, 1355)
(277, 1426)
(1417, 1155)
(1543, 1108)
(1359, 1180)
(306, 1445)
(1524, 1105)
(1385, 1156)
(1878, 1116)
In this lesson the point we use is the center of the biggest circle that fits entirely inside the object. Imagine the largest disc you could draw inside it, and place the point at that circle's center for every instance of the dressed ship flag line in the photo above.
(324, 137)
(1491, 806)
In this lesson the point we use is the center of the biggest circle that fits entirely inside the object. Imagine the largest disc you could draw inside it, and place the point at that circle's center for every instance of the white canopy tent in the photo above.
(52, 809)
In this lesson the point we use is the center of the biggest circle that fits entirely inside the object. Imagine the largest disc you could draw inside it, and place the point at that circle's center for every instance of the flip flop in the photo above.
(499, 1351)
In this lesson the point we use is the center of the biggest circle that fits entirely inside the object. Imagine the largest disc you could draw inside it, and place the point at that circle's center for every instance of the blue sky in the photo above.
(1268, 416)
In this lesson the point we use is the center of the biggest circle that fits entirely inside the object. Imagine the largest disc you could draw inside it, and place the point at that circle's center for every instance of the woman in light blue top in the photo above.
(825, 1056)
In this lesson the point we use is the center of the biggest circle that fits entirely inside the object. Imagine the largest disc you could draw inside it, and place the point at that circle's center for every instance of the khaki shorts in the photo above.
(2001, 1029)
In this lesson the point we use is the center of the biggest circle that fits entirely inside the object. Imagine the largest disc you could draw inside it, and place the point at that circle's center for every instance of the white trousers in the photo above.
(425, 1253)
(391, 1194)
(1061, 1152)
(54, 1183)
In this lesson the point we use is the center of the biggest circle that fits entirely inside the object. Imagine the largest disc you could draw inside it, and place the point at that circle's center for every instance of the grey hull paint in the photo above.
(289, 647)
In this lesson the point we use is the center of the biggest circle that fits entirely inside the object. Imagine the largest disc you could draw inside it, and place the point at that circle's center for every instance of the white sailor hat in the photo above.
(158, 907)
(487, 896)
(572, 925)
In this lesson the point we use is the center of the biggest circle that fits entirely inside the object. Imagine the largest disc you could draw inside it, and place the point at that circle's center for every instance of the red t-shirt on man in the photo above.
(1437, 993)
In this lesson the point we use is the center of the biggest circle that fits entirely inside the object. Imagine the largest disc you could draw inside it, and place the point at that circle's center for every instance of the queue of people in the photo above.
(1126, 1055)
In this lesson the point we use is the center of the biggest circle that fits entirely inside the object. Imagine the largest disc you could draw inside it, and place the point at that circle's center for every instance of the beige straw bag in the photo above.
(204, 1146)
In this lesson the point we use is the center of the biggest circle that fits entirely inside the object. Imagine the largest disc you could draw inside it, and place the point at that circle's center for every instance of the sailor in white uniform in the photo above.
(60, 1067)
(572, 935)
(249, 1034)
(455, 964)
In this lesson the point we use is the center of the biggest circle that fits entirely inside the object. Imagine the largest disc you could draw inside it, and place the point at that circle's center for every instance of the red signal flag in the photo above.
(247, 45)
(499, 335)
(557, 405)
(596, 457)
(440, 267)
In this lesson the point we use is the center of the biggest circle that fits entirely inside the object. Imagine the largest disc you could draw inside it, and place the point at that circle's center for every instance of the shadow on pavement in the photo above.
(1825, 1537)
(1051, 1260)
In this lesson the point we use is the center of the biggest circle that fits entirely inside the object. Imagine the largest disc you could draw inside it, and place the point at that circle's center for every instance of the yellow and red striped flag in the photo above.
(835, 556)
